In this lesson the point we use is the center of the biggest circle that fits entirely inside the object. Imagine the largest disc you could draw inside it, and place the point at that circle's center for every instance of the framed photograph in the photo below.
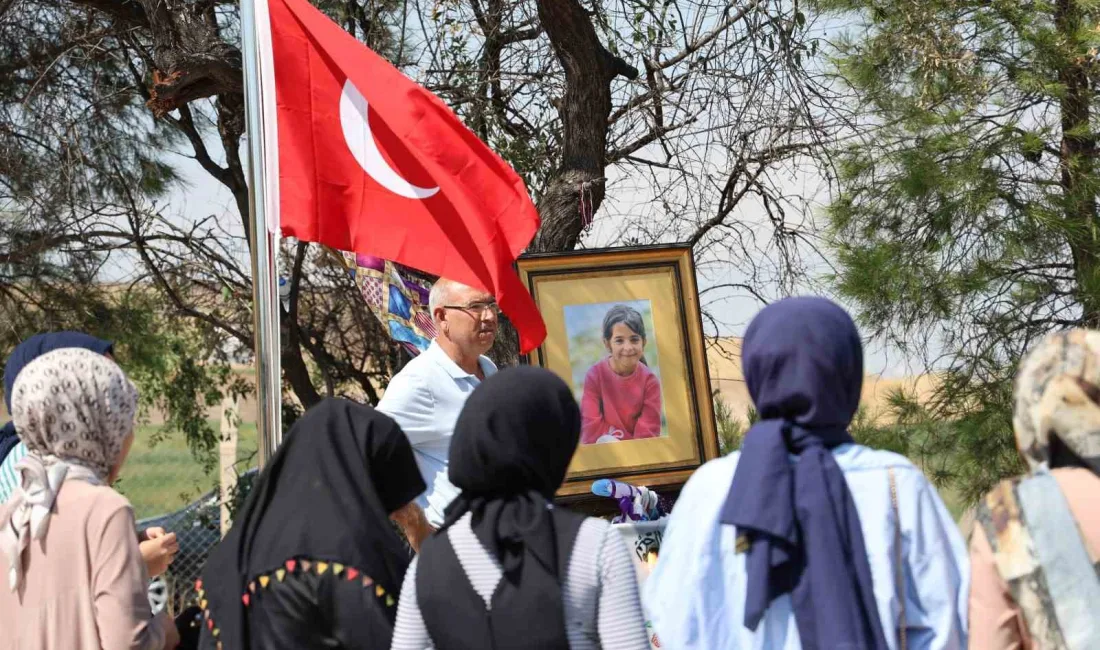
(624, 330)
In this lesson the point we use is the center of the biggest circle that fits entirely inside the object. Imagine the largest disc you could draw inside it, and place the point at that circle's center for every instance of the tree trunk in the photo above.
(576, 190)
(1078, 150)
(505, 350)
(190, 60)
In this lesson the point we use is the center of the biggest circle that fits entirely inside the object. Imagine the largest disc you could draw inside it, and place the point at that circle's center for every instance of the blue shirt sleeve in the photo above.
(408, 400)
(695, 595)
(937, 568)
(672, 591)
(9, 478)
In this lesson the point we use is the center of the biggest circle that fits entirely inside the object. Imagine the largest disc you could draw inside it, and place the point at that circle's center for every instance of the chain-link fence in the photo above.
(169, 488)
(198, 528)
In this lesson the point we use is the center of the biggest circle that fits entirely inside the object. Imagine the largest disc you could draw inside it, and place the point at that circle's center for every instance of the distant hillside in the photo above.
(724, 359)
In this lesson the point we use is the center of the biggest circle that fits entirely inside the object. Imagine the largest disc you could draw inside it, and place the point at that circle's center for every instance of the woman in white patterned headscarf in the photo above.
(73, 574)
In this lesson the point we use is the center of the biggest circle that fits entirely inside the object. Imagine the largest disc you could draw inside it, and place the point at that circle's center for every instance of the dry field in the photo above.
(724, 359)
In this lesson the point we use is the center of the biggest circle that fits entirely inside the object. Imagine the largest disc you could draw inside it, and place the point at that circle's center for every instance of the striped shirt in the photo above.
(9, 478)
(599, 596)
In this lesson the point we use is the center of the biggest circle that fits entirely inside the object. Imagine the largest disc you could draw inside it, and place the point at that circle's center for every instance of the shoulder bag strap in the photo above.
(903, 642)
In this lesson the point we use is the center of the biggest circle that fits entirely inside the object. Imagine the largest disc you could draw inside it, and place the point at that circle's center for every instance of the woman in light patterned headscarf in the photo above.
(74, 576)
(1035, 553)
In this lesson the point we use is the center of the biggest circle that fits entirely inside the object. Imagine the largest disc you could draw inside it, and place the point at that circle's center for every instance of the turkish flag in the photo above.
(373, 163)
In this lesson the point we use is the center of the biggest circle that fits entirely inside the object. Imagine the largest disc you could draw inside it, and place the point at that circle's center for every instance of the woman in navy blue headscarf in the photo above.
(803, 538)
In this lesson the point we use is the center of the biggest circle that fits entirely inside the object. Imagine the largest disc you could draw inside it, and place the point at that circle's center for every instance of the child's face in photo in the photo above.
(626, 347)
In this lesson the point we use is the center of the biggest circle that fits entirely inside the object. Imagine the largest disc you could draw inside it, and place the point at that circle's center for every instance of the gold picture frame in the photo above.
(579, 293)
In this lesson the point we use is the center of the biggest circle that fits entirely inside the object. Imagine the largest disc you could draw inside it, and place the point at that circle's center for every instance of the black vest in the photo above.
(455, 615)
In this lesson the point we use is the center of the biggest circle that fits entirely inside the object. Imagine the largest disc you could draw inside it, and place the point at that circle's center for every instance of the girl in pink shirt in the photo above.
(622, 396)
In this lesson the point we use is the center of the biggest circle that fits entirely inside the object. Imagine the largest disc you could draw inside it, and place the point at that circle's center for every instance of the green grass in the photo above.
(162, 476)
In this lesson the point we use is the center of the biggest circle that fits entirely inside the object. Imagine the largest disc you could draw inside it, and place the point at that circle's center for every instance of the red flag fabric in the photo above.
(371, 162)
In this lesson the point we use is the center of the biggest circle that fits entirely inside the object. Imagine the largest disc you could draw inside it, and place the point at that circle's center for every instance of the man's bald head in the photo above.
(464, 317)
(442, 292)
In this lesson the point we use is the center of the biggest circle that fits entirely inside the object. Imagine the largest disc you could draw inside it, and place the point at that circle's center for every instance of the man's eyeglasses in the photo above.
(478, 308)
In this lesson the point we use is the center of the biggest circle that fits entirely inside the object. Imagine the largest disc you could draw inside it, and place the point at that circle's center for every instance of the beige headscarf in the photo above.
(73, 409)
(1058, 396)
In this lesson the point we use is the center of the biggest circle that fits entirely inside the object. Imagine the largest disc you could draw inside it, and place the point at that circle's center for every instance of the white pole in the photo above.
(263, 236)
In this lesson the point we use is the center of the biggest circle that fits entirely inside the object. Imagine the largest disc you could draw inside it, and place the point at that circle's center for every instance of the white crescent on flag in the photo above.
(354, 112)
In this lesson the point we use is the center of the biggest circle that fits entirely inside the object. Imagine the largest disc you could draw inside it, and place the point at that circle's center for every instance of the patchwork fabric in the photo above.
(399, 302)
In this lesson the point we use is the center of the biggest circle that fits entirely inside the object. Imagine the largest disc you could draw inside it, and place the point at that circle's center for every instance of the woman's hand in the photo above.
(412, 520)
(612, 435)
(158, 550)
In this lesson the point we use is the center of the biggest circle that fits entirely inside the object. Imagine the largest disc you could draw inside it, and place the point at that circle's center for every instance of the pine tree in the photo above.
(966, 225)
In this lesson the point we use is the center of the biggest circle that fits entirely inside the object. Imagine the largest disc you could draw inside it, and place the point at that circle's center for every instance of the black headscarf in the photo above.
(510, 452)
(326, 494)
(30, 350)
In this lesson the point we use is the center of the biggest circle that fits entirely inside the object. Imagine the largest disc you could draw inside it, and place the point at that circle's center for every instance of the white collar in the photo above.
(444, 360)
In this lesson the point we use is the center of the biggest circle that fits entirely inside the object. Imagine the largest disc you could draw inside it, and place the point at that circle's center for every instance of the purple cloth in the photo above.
(803, 363)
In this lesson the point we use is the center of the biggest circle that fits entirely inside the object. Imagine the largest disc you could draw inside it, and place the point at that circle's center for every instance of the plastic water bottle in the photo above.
(284, 292)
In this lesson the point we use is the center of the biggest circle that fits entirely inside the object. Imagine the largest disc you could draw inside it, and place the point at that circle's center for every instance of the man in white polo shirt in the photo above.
(427, 395)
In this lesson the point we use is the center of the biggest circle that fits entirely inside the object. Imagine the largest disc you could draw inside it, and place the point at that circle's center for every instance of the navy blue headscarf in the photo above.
(803, 363)
(30, 350)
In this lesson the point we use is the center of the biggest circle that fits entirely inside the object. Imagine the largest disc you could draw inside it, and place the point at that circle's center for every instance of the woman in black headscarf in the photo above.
(311, 560)
(508, 570)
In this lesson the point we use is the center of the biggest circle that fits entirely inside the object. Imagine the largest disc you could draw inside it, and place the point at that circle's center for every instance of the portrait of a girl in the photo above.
(622, 396)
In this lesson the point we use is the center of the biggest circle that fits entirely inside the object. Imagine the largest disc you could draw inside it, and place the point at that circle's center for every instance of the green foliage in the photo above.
(730, 429)
(242, 487)
(80, 152)
(965, 227)
(178, 366)
(161, 476)
(83, 183)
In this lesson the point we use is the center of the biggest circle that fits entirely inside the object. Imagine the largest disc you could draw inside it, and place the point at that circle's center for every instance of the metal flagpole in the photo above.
(263, 236)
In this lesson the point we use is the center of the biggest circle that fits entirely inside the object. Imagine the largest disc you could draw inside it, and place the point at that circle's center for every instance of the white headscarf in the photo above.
(73, 408)
(1056, 397)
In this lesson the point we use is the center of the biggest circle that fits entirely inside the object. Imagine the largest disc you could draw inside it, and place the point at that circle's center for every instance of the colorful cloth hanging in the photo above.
(398, 301)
